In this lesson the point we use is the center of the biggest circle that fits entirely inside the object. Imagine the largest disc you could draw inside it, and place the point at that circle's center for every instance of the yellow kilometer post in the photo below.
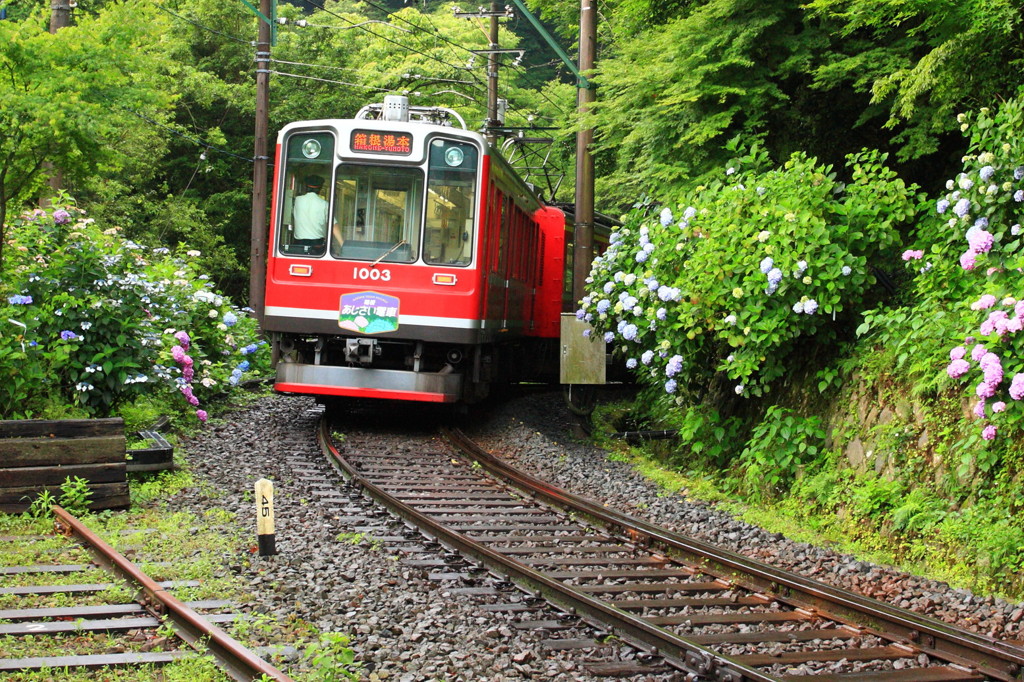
(265, 517)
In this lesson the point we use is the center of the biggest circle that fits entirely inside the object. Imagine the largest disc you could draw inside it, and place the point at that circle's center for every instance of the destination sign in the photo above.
(378, 142)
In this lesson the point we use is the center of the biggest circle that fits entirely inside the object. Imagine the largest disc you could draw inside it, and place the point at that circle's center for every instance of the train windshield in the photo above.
(451, 198)
(377, 213)
(306, 193)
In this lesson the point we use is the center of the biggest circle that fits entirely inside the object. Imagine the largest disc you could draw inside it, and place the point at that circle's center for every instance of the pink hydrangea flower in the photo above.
(188, 374)
(201, 414)
(1017, 386)
(913, 255)
(193, 401)
(183, 339)
(989, 432)
(987, 328)
(980, 241)
(957, 368)
(979, 409)
(985, 390)
(978, 352)
(178, 353)
(983, 303)
(999, 406)
(967, 260)
(1014, 325)
(957, 353)
(186, 361)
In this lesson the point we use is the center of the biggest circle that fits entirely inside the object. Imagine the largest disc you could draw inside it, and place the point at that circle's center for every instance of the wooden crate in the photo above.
(39, 454)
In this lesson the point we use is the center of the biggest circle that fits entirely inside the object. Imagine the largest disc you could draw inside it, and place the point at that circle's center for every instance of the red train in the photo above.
(408, 261)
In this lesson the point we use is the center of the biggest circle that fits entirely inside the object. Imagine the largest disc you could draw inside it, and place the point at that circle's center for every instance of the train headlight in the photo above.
(453, 156)
(311, 149)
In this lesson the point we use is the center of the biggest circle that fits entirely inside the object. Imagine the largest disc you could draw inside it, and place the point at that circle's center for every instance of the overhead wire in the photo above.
(394, 42)
(205, 145)
(204, 27)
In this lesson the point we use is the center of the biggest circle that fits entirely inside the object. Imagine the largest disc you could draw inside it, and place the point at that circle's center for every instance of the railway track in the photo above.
(146, 624)
(708, 612)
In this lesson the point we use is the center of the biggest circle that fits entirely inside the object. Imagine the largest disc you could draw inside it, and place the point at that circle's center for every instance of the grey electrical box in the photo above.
(582, 358)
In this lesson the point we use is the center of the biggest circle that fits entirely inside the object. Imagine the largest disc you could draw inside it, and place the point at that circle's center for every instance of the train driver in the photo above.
(310, 214)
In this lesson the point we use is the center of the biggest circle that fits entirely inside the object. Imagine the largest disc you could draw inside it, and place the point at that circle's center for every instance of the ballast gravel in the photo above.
(331, 574)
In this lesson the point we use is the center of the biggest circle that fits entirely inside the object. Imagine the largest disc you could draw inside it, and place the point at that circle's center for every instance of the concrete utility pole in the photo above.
(258, 240)
(583, 254)
(492, 73)
(60, 16)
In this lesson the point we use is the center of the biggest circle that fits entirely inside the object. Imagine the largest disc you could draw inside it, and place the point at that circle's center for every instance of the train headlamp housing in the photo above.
(311, 149)
(453, 156)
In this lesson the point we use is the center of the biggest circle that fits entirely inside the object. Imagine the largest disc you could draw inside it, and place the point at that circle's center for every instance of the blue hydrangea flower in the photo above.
(603, 305)
(798, 307)
(661, 314)
(965, 182)
(609, 337)
(810, 307)
(249, 350)
(629, 332)
(986, 173)
(586, 333)
(801, 267)
(774, 277)
(670, 386)
(963, 207)
(68, 335)
(1018, 196)
(631, 363)
(580, 314)
(675, 365)
(942, 206)
(18, 299)
(689, 213)
(609, 287)
(642, 256)
(666, 216)
(230, 319)
(647, 356)
(767, 264)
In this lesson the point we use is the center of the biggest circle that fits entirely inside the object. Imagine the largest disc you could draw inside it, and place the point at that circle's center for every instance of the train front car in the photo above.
(390, 270)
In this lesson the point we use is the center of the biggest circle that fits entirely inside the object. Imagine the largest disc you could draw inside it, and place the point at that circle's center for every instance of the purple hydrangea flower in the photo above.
(1017, 386)
(201, 415)
(989, 432)
(68, 335)
(61, 217)
(18, 299)
(183, 339)
(957, 368)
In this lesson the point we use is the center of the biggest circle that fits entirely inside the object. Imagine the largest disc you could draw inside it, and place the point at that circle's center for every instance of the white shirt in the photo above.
(310, 213)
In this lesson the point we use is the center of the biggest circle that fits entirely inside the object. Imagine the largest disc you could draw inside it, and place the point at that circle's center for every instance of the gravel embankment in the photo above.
(409, 628)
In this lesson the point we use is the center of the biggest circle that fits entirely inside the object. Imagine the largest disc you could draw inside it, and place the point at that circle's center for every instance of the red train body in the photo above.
(438, 272)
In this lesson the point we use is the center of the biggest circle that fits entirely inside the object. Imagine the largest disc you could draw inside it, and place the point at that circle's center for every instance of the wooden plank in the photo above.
(94, 660)
(33, 452)
(60, 428)
(110, 472)
(109, 625)
(104, 496)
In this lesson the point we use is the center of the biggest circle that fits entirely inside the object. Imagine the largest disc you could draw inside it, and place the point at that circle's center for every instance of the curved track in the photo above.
(713, 614)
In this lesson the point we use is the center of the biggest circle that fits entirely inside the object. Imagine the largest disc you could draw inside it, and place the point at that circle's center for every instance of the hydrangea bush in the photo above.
(716, 290)
(91, 319)
(972, 256)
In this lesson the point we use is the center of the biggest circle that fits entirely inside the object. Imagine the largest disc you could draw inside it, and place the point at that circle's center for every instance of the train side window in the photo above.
(449, 223)
(305, 194)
